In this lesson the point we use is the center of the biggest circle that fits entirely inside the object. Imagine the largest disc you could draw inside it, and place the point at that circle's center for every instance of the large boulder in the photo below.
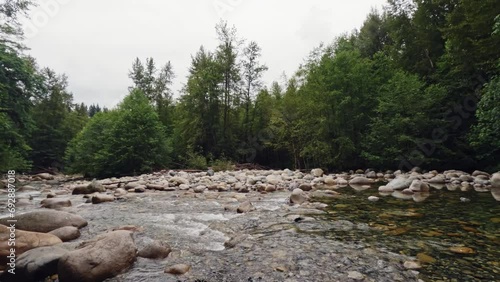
(55, 203)
(25, 241)
(36, 264)
(46, 220)
(66, 233)
(104, 257)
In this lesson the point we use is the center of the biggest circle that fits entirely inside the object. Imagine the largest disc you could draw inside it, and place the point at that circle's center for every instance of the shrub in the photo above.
(128, 140)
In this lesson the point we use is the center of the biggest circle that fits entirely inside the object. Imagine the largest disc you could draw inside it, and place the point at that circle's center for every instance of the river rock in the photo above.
(177, 180)
(25, 240)
(245, 207)
(120, 192)
(200, 189)
(385, 189)
(342, 182)
(360, 181)
(400, 183)
(298, 196)
(93, 187)
(438, 179)
(102, 198)
(371, 174)
(329, 181)
(373, 199)
(55, 203)
(495, 180)
(419, 186)
(46, 220)
(45, 176)
(155, 250)
(412, 265)
(104, 257)
(478, 173)
(317, 172)
(178, 269)
(66, 233)
(305, 187)
(36, 264)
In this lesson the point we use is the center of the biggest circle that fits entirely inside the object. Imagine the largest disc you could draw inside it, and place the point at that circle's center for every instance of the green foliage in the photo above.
(18, 84)
(485, 136)
(128, 140)
(196, 161)
(222, 164)
(403, 120)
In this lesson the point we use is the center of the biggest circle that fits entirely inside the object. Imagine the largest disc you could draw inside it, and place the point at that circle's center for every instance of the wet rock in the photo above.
(373, 199)
(36, 264)
(178, 269)
(106, 256)
(360, 181)
(495, 192)
(298, 196)
(462, 250)
(25, 241)
(66, 233)
(495, 180)
(419, 186)
(317, 172)
(245, 207)
(324, 194)
(46, 220)
(424, 258)
(385, 189)
(102, 198)
(155, 250)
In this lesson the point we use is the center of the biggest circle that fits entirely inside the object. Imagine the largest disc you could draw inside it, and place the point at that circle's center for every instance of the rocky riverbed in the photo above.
(254, 226)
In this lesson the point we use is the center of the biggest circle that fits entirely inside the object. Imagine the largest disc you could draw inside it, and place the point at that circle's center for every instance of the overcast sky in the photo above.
(95, 42)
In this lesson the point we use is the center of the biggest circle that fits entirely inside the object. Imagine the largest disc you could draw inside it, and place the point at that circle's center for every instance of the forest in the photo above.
(418, 84)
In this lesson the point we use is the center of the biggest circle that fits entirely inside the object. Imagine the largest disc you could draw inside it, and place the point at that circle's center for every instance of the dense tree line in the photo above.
(417, 85)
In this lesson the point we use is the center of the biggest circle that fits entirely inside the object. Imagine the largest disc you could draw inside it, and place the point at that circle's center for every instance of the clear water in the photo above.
(427, 229)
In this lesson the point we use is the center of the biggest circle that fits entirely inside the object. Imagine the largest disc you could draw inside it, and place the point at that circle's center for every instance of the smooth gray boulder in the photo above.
(46, 220)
